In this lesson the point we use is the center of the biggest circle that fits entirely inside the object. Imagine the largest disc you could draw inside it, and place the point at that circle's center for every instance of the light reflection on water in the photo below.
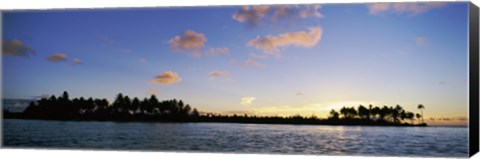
(239, 138)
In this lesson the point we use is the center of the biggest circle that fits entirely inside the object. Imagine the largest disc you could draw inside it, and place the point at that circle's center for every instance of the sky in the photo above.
(263, 60)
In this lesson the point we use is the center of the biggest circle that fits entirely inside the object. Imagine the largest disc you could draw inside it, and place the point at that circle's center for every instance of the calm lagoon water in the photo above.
(238, 138)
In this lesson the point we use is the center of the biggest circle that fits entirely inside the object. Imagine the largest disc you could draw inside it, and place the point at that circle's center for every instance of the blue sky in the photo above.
(264, 60)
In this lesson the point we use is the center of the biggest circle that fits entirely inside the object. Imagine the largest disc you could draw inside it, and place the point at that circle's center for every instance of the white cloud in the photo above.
(247, 101)
(217, 51)
(76, 61)
(271, 44)
(220, 75)
(16, 47)
(57, 57)
(410, 8)
(167, 77)
(189, 41)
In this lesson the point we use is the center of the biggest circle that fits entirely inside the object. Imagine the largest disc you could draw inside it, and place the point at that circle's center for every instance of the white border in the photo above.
(63, 4)
(7, 5)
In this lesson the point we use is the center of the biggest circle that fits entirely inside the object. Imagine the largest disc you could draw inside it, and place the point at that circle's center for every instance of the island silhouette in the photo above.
(123, 108)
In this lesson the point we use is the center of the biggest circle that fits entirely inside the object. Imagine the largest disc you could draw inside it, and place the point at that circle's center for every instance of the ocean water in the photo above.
(238, 138)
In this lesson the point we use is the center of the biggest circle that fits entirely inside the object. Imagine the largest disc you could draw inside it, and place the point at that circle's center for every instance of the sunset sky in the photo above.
(263, 60)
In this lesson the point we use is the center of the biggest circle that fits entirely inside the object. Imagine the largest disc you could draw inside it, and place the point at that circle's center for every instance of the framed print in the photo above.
(334, 79)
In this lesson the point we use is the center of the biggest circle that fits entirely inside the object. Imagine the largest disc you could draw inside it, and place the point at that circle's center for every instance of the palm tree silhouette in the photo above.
(418, 116)
(421, 107)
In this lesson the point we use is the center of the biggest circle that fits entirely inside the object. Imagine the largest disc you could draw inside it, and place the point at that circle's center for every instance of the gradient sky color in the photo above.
(263, 60)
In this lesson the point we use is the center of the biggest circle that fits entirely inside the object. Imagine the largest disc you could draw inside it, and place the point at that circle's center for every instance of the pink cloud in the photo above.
(57, 57)
(271, 44)
(16, 47)
(167, 77)
(220, 75)
(189, 41)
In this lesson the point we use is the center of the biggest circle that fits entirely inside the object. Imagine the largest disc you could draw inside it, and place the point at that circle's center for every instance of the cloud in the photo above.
(252, 63)
(247, 101)
(76, 61)
(271, 44)
(217, 51)
(189, 41)
(283, 12)
(251, 15)
(377, 8)
(403, 8)
(57, 57)
(421, 41)
(167, 77)
(299, 94)
(257, 15)
(220, 75)
(311, 11)
(16, 47)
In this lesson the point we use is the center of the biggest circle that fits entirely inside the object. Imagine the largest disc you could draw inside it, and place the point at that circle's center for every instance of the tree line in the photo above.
(124, 108)
(385, 114)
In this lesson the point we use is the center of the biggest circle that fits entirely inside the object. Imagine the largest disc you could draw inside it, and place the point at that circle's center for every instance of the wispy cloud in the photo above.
(167, 77)
(299, 94)
(16, 47)
(271, 44)
(311, 11)
(257, 15)
(247, 101)
(409, 8)
(220, 75)
(57, 57)
(189, 41)
(76, 61)
(217, 51)
(421, 41)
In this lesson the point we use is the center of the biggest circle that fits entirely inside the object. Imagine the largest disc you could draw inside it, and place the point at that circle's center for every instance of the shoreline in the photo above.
(324, 122)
